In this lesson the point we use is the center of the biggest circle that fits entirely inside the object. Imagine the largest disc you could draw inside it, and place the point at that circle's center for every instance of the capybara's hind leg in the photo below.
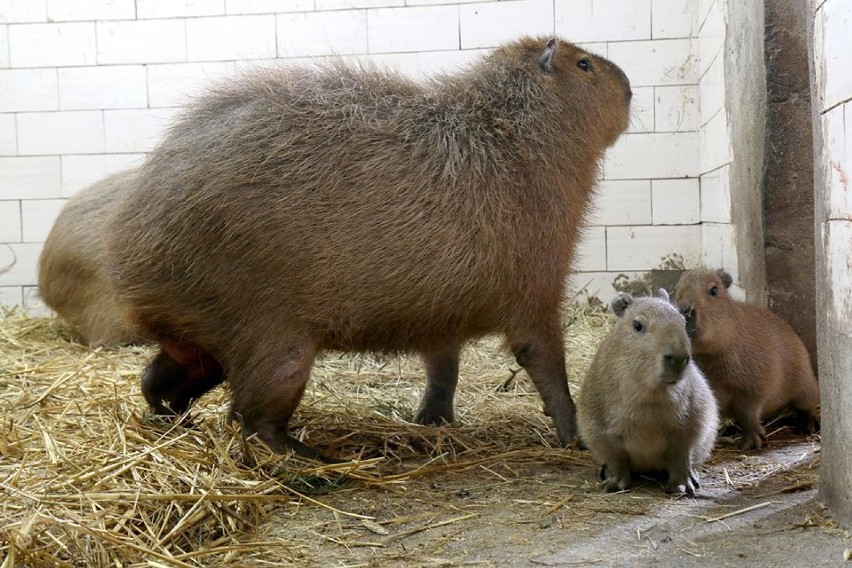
(806, 420)
(177, 376)
(442, 375)
(543, 357)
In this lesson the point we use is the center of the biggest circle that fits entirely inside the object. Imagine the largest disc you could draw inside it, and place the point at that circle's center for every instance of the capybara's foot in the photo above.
(442, 375)
(280, 442)
(806, 422)
(614, 483)
(694, 478)
(751, 440)
(435, 415)
(682, 483)
(171, 384)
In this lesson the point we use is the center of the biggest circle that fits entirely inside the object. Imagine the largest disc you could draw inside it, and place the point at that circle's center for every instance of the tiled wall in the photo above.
(86, 88)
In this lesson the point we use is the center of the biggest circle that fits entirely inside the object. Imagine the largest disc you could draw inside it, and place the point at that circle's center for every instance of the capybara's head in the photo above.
(702, 297)
(653, 333)
(591, 89)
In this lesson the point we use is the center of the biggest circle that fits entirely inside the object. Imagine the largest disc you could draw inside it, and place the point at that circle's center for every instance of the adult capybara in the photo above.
(303, 209)
(644, 406)
(754, 361)
(72, 277)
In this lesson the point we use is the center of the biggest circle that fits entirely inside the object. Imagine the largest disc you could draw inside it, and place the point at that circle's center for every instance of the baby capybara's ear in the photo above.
(726, 278)
(664, 295)
(545, 60)
(620, 303)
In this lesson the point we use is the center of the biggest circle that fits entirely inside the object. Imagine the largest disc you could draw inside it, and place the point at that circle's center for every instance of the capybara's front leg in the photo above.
(442, 375)
(680, 472)
(544, 360)
(747, 416)
(177, 376)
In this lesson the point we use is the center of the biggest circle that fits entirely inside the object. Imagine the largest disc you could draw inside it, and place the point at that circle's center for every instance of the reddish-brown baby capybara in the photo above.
(301, 209)
(754, 361)
(72, 277)
(644, 406)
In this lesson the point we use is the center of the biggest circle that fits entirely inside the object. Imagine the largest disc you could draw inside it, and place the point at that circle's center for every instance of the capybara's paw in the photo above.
(566, 428)
(693, 477)
(681, 487)
(433, 415)
(616, 483)
(807, 423)
(751, 441)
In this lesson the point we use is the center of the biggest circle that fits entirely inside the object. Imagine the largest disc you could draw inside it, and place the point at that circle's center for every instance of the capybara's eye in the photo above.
(585, 64)
(714, 291)
(638, 326)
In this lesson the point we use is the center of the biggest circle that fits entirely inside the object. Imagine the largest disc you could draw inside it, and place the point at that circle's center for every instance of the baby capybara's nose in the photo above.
(676, 363)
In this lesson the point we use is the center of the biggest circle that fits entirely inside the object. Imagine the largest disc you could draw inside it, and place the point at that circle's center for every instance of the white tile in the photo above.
(624, 202)
(657, 62)
(80, 171)
(18, 11)
(719, 247)
(437, 2)
(322, 33)
(68, 10)
(52, 45)
(129, 131)
(643, 156)
(37, 217)
(603, 20)
(19, 264)
(10, 221)
(711, 91)
(8, 135)
(837, 160)
(591, 250)
(28, 177)
(711, 36)
(644, 248)
(106, 86)
(492, 23)
(642, 110)
(596, 284)
(715, 143)
(146, 41)
(404, 63)
(172, 84)
(4, 46)
(428, 28)
(230, 37)
(64, 132)
(676, 201)
(348, 4)
(28, 90)
(715, 196)
(673, 19)
(34, 304)
(10, 296)
(838, 235)
(676, 108)
(433, 62)
(237, 7)
(178, 8)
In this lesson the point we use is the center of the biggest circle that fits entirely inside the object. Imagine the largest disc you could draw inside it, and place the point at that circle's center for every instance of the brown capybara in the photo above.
(754, 361)
(72, 277)
(302, 209)
(644, 406)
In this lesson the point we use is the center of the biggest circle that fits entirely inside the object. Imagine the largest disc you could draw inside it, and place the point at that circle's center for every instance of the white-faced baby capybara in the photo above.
(754, 361)
(303, 209)
(644, 406)
(72, 277)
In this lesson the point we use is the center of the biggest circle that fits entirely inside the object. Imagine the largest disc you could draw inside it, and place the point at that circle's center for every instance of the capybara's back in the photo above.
(301, 209)
(755, 362)
(644, 406)
(72, 276)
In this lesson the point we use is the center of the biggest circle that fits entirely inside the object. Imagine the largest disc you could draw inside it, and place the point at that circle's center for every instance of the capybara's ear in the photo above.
(725, 277)
(663, 295)
(620, 303)
(545, 60)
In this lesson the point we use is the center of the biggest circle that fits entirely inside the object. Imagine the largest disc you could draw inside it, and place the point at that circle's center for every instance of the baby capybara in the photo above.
(644, 406)
(754, 361)
(72, 277)
(302, 209)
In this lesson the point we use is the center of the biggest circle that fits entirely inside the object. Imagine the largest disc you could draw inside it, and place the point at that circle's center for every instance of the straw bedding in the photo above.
(88, 478)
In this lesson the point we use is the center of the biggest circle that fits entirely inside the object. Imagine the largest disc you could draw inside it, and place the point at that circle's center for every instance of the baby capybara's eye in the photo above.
(638, 326)
(714, 291)
(585, 65)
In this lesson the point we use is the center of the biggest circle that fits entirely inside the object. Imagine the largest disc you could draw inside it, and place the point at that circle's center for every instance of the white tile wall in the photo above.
(837, 138)
(598, 284)
(657, 62)
(338, 32)
(37, 216)
(236, 7)
(711, 89)
(176, 8)
(673, 19)
(230, 37)
(711, 36)
(4, 45)
(715, 142)
(716, 196)
(10, 221)
(424, 28)
(64, 132)
(29, 177)
(431, 62)
(654, 155)
(17, 11)
(134, 41)
(28, 90)
(622, 202)
(642, 110)
(676, 201)
(80, 171)
(10, 296)
(603, 20)
(52, 45)
(71, 10)
(171, 84)
(676, 108)
(104, 87)
(640, 248)
(18, 264)
(490, 24)
(591, 250)
(33, 302)
(138, 130)
(8, 135)
(717, 241)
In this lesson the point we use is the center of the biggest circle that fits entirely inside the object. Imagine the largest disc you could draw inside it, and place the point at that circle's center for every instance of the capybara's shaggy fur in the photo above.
(72, 277)
(303, 209)
(754, 361)
(644, 406)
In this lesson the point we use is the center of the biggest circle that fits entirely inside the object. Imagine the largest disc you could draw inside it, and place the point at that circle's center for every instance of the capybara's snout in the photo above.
(673, 366)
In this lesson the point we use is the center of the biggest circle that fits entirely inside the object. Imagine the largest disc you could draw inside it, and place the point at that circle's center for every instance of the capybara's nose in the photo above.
(676, 363)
